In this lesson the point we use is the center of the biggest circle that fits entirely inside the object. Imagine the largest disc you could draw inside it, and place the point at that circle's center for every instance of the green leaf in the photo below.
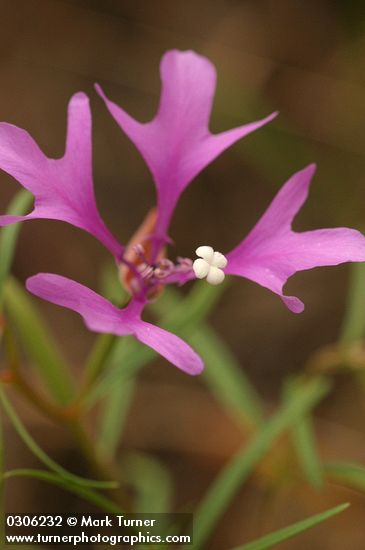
(38, 342)
(349, 474)
(114, 415)
(84, 492)
(150, 480)
(42, 456)
(105, 343)
(99, 356)
(222, 373)
(238, 469)
(178, 312)
(184, 316)
(9, 236)
(268, 541)
(128, 357)
(353, 328)
(304, 443)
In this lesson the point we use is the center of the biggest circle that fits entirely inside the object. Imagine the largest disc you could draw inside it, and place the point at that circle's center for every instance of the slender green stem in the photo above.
(40, 454)
(100, 467)
(9, 237)
(15, 376)
(86, 493)
(113, 417)
(353, 327)
(272, 539)
(304, 442)
(98, 357)
(38, 342)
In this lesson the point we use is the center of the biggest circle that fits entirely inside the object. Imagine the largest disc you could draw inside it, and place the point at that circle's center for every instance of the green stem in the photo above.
(230, 479)
(98, 357)
(100, 467)
(353, 327)
(86, 493)
(38, 342)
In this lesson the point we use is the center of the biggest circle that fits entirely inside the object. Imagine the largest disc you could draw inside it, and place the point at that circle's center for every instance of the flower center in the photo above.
(150, 277)
(209, 265)
(145, 270)
(161, 269)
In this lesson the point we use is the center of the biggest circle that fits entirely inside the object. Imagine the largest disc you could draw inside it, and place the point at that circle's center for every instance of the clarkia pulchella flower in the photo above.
(176, 146)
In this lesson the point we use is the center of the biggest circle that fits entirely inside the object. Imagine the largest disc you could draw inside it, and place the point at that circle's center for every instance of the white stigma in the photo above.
(209, 265)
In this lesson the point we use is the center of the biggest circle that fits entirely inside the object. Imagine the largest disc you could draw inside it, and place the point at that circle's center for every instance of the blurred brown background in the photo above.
(305, 59)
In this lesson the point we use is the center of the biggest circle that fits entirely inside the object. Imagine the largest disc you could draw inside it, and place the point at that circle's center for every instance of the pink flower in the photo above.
(176, 145)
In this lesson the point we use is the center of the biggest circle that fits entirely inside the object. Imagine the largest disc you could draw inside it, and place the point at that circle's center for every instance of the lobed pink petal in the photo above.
(63, 188)
(170, 346)
(273, 252)
(101, 316)
(177, 143)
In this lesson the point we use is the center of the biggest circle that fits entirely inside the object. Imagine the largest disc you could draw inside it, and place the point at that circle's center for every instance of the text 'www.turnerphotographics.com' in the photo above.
(106, 529)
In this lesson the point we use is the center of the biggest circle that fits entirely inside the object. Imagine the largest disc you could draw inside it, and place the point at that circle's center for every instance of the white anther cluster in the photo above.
(210, 264)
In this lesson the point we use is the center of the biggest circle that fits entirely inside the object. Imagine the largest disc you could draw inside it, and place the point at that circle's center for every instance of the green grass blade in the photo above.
(38, 342)
(9, 236)
(231, 478)
(268, 541)
(353, 328)
(349, 474)
(84, 492)
(42, 456)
